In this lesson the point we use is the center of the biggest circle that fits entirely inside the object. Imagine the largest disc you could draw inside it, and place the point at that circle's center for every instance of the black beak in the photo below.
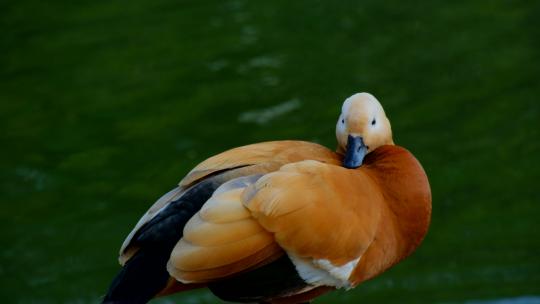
(356, 150)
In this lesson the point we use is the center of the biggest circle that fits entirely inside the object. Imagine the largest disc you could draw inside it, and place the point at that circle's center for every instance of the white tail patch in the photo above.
(323, 272)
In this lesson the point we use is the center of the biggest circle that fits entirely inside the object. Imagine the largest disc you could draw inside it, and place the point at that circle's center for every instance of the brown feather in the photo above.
(246, 160)
(332, 217)
(407, 214)
(280, 152)
(379, 212)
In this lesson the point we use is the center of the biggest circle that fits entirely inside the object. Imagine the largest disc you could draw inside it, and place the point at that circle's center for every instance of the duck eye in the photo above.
(373, 122)
(342, 121)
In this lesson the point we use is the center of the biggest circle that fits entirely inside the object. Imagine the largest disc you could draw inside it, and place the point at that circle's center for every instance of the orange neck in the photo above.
(407, 209)
(406, 191)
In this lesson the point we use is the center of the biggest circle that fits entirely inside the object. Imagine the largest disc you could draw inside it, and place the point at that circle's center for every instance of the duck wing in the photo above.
(279, 234)
(242, 161)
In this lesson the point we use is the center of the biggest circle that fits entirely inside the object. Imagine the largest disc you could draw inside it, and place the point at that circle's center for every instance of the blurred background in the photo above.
(105, 105)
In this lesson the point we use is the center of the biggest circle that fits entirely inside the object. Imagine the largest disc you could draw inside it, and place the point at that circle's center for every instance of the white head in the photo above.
(361, 128)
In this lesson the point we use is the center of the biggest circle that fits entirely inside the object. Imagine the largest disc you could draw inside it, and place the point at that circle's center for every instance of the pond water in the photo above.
(104, 106)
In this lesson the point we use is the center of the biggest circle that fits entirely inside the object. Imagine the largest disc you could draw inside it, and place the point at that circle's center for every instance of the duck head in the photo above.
(361, 128)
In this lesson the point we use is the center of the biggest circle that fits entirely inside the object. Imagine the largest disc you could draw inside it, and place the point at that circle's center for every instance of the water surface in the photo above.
(105, 105)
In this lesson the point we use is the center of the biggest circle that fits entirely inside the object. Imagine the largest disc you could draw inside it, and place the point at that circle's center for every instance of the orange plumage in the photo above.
(295, 200)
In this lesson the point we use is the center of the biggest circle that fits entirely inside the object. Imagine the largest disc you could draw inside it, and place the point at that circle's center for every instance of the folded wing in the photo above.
(222, 238)
(324, 217)
(242, 161)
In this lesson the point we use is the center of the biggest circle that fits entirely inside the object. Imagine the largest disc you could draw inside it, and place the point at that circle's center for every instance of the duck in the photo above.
(283, 221)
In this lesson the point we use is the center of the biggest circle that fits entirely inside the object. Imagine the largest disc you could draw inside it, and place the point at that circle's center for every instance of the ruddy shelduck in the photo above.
(283, 221)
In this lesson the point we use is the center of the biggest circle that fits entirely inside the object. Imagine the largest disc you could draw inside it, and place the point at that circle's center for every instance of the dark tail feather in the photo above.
(141, 278)
(145, 274)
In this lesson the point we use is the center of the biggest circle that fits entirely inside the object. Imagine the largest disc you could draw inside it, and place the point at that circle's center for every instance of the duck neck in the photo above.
(406, 191)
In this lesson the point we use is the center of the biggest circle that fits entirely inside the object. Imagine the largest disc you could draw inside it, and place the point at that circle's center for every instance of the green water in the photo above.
(105, 105)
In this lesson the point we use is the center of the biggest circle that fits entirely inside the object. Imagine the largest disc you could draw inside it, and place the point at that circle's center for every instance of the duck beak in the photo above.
(356, 150)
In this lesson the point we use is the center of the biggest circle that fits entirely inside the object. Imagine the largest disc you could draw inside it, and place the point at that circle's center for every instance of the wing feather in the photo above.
(199, 232)
(242, 161)
(222, 238)
(170, 196)
(281, 152)
(318, 211)
(223, 224)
